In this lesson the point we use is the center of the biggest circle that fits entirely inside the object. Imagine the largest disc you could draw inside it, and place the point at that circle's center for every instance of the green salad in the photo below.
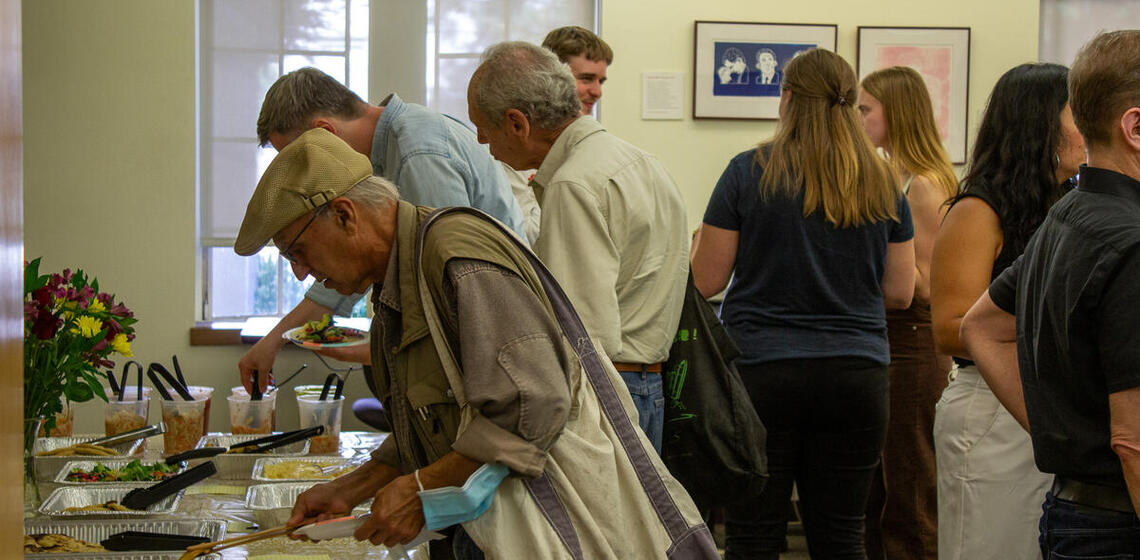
(135, 471)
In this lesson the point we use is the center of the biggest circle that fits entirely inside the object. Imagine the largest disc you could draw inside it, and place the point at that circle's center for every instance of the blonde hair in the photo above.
(821, 148)
(915, 145)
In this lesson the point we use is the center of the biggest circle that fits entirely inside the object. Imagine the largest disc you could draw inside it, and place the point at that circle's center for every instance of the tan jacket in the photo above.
(601, 491)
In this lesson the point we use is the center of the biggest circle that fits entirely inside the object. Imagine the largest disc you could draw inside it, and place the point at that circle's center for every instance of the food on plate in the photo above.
(56, 543)
(123, 421)
(135, 471)
(79, 449)
(105, 506)
(323, 331)
(303, 469)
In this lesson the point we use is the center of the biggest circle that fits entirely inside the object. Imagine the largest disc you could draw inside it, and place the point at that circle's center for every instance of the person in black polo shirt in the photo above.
(1075, 293)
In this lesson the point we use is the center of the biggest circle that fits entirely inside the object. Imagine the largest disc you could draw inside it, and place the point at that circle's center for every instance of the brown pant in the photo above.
(902, 509)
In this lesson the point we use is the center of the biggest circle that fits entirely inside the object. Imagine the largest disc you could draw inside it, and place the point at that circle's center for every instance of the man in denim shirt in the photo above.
(432, 158)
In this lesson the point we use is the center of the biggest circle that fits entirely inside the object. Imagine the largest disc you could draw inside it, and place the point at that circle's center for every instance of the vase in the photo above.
(31, 489)
(64, 423)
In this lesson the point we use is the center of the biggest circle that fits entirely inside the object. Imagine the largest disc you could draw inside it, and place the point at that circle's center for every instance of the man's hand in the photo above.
(321, 502)
(397, 514)
(260, 360)
(359, 354)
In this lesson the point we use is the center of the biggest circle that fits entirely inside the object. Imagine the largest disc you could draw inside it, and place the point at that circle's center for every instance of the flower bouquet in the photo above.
(70, 331)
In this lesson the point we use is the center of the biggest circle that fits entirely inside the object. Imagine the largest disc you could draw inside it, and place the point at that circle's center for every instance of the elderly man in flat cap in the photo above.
(510, 430)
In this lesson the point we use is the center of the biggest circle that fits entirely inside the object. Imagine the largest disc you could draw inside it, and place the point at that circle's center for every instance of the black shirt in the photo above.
(1076, 293)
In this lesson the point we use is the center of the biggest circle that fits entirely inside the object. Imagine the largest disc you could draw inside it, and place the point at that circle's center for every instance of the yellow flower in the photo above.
(87, 326)
(96, 306)
(121, 345)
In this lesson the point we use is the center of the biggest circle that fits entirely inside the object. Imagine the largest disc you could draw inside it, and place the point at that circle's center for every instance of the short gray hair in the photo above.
(300, 95)
(374, 192)
(526, 77)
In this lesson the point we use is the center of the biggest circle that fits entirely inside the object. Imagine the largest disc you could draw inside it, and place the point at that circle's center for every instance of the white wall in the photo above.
(657, 36)
(109, 123)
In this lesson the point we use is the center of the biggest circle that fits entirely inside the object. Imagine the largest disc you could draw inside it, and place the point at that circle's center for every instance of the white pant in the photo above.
(989, 490)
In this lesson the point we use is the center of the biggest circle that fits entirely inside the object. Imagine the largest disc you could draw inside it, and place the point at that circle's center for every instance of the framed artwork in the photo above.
(942, 56)
(737, 66)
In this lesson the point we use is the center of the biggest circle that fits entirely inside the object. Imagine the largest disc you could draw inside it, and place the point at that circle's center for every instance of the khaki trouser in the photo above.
(989, 491)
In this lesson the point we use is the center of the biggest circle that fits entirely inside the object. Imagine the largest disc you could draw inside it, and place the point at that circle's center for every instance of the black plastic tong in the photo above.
(143, 540)
(259, 445)
(174, 383)
(142, 498)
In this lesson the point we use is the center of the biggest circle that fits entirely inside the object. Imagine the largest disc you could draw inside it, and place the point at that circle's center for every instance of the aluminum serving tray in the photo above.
(272, 504)
(260, 464)
(61, 477)
(79, 496)
(47, 467)
(238, 466)
(95, 531)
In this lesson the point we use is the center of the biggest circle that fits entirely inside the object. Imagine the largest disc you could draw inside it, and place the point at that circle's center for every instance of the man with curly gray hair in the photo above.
(613, 222)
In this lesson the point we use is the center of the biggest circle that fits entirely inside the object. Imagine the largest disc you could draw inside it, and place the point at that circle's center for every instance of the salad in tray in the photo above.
(135, 471)
(323, 332)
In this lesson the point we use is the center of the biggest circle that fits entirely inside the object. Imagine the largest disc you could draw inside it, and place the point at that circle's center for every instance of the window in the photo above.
(245, 46)
(425, 50)
(460, 30)
(1066, 25)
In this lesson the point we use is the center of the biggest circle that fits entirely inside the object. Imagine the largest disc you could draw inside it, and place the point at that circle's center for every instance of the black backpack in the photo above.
(713, 440)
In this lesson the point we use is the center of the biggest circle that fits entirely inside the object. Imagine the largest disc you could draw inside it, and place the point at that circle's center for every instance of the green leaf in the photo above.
(96, 386)
(78, 392)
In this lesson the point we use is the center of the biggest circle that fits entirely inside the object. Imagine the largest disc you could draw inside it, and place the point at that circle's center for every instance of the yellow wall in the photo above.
(109, 121)
(658, 37)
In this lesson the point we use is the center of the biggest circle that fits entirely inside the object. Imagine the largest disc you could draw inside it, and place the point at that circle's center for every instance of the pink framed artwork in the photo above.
(942, 56)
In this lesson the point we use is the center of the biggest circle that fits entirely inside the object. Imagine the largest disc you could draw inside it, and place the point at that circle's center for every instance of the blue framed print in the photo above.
(738, 66)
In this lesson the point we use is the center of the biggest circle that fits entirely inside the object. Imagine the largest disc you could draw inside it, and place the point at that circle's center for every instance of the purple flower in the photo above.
(46, 326)
(42, 296)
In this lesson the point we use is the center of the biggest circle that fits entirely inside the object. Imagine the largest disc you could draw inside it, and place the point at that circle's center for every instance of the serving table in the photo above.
(226, 500)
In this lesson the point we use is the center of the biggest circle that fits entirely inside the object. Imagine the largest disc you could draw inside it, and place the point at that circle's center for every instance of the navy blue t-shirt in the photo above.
(801, 288)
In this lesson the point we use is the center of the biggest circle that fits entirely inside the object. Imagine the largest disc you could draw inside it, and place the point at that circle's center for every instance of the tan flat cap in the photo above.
(312, 170)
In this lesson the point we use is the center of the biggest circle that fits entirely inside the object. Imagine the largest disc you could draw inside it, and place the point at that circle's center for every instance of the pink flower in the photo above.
(67, 274)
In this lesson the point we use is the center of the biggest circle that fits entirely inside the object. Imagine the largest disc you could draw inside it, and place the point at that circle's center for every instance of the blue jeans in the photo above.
(1072, 531)
(649, 399)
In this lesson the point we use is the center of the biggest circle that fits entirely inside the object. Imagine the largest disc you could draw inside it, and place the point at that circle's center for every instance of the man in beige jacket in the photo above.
(484, 371)
(613, 228)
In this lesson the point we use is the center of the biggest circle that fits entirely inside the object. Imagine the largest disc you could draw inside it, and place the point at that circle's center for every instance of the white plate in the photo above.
(293, 335)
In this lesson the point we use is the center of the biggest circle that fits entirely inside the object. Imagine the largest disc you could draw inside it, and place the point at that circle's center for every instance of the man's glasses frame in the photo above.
(285, 254)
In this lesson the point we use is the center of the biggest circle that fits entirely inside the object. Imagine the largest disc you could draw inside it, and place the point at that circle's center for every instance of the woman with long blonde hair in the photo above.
(902, 511)
(814, 232)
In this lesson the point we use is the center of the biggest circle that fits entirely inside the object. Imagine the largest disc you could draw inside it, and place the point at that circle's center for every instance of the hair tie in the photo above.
(842, 100)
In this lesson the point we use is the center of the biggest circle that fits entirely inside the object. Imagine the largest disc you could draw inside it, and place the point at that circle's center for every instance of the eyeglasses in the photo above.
(285, 252)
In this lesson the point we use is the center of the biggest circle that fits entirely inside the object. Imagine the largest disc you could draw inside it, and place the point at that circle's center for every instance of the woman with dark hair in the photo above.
(1027, 149)
(816, 236)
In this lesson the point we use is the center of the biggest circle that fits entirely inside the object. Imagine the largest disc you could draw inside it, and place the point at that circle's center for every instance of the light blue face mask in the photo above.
(452, 505)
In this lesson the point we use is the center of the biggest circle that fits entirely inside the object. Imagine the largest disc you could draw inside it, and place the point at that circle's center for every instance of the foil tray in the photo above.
(61, 476)
(96, 530)
(239, 466)
(78, 496)
(260, 464)
(48, 467)
(272, 504)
